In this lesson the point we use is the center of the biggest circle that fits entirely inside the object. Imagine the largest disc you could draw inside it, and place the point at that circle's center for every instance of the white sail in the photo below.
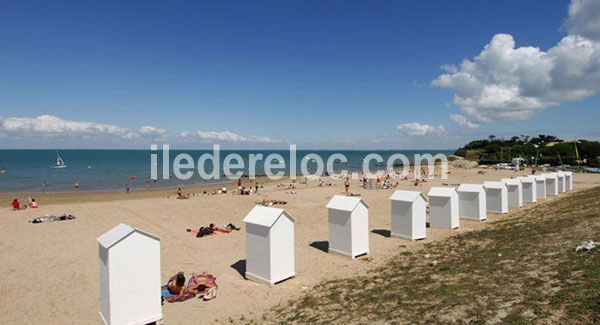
(60, 163)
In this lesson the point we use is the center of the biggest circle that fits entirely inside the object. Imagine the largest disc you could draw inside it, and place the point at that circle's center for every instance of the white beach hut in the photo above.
(562, 186)
(471, 201)
(129, 276)
(408, 215)
(568, 181)
(528, 189)
(348, 226)
(496, 197)
(540, 186)
(443, 207)
(515, 192)
(269, 245)
(551, 184)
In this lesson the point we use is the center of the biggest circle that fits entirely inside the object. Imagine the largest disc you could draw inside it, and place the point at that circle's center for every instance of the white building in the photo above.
(551, 184)
(348, 226)
(569, 181)
(515, 192)
(496, 197)
(562, 186)
(443, 207)
(269, 245)
(540, 186)
(408, 215)
(129, 276)
(529, 189)
(471, 201)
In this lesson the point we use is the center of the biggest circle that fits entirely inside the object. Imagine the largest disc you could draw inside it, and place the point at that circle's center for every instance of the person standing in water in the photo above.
(44, 186)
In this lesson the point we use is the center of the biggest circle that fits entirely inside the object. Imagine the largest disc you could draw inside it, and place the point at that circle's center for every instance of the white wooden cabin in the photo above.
(551, 184)
(529, 189)
(472, 201)
(408, 215)
(348, 226)
(443, 208)
(496, 197)
(129, 276)
(515, 192)
(540, 184)
(569, 181)
(562, 186)
(269, 245)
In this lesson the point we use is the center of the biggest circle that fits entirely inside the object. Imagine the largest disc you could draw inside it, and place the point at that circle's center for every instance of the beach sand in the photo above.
(50, 270)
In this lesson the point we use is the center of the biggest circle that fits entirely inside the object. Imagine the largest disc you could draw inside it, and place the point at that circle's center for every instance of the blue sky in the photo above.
(321, 74)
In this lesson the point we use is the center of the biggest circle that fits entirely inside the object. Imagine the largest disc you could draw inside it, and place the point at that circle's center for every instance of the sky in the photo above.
(319, 74)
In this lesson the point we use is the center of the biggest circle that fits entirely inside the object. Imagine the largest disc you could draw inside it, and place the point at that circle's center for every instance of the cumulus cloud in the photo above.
(52, 125)
(152, 131)
(226, 136)
(463, 121)
(418, 129)
(505, 82)
(584, 19)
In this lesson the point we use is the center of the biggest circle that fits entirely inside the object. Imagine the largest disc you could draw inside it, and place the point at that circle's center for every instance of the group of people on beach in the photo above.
(16, 205)
(203, 285)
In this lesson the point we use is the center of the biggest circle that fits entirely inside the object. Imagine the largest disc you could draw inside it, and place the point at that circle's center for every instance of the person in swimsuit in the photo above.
(347, 184)
(176, 285)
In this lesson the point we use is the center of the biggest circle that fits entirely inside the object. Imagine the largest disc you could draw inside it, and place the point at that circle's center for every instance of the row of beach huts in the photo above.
(127, 252)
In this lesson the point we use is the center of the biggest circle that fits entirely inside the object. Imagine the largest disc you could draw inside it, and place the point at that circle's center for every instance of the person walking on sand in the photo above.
(127, 190)
(347, 185)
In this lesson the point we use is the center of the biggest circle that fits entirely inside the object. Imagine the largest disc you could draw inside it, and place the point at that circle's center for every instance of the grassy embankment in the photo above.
(521, 269)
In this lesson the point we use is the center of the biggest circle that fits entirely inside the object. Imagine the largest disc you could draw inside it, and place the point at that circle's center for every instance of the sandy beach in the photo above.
(51, 269)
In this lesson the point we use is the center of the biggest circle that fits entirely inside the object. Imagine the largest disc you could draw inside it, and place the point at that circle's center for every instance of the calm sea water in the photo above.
(106, 170)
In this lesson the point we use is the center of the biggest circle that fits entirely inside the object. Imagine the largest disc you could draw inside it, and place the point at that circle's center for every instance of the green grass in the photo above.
(522, 269)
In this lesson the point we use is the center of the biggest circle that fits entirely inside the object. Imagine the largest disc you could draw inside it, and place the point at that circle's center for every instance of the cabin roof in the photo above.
(265, 216)
(442, 191)
(345, 203)
(120, 232)
(473, 188)
(526, 179)
(495, 185)
(407, 196)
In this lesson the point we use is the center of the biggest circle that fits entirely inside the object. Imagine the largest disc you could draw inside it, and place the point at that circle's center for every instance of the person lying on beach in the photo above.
(211, 229)
(53, 218)
(204, 285)
(267, 202)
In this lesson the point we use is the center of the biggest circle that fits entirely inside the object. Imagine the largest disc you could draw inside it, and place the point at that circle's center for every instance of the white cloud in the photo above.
(418, 129)
(584, 18)
(52, 125)
(505, 82)
(225, 136)
(152, 131)
(463, 121)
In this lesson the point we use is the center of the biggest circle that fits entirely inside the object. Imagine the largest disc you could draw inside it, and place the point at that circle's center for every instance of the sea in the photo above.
(24, 171)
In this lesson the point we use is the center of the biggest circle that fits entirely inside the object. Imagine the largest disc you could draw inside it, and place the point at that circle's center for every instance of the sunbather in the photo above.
(204, 285)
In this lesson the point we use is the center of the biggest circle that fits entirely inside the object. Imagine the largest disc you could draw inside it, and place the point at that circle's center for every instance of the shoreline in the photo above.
(65, 197)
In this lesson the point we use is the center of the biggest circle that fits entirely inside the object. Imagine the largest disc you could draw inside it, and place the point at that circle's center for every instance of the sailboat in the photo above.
(60, 163)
